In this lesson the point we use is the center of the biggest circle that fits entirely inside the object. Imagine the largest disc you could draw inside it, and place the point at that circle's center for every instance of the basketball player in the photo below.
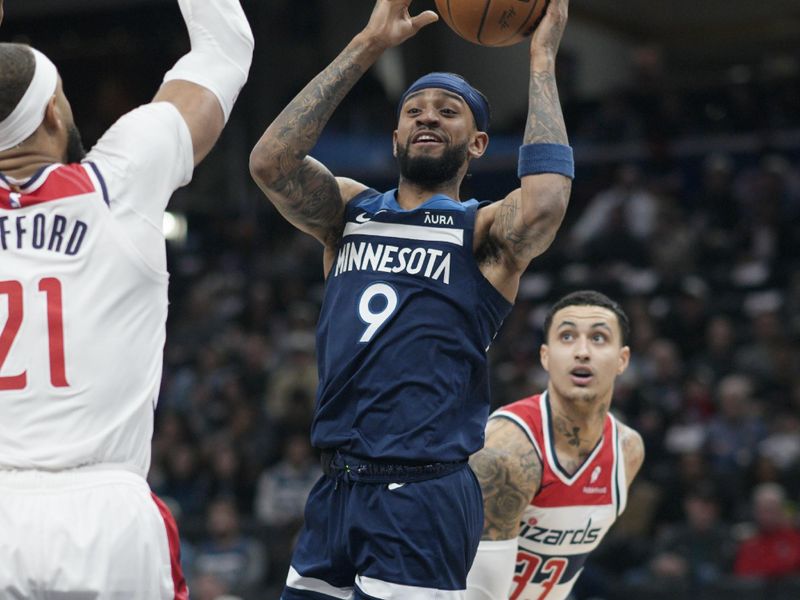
(556, 466)
(418, 284)
(83, 302)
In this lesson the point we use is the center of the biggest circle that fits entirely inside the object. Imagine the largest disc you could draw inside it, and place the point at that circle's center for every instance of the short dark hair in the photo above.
(17, 66)
(589, 298)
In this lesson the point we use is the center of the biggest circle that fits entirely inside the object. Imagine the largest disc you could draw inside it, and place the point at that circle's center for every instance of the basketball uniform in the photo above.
(83, 306)
(570, 514)
(403, 397)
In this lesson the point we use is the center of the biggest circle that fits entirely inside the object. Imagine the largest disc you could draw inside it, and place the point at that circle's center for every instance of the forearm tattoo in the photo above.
(310, 192)
(545, 120)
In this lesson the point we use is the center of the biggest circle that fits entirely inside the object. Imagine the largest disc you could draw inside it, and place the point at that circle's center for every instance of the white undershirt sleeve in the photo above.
(492, 572)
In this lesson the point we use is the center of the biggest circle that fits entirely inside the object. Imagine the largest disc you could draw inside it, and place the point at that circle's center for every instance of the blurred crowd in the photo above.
(703, 252)
(686, 209)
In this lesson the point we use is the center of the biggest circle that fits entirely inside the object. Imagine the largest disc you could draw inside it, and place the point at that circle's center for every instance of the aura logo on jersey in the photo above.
(41, 231)
(387, 258)
(558, 537)
(438, 219)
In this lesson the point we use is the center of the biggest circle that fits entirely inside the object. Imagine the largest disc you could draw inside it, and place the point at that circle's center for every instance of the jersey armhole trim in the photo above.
(94, 173)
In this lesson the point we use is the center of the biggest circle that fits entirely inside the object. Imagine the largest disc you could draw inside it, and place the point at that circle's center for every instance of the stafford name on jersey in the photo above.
(387, 258)
(42, 231)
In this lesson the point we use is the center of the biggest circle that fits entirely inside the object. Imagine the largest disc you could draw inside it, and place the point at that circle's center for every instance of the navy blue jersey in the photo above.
(404, 329)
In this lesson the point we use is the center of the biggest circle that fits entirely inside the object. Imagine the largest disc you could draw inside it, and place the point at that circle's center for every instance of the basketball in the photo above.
(492, 22)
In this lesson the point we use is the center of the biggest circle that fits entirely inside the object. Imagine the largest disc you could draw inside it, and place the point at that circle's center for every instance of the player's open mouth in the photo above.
(581, 376)
(426, 137)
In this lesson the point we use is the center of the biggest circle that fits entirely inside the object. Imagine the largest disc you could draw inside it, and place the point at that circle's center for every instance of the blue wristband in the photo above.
(546, 158)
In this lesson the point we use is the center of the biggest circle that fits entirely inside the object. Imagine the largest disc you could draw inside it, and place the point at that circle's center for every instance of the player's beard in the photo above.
(431, 171)
(75, 150)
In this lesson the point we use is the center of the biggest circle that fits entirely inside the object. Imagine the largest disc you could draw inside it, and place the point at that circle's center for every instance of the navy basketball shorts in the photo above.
(386, 541)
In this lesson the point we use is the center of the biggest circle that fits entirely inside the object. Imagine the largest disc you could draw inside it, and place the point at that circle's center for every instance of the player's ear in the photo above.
(52, 114)
(624, 359)
(544, 356)
(394, 143)
(478, 144)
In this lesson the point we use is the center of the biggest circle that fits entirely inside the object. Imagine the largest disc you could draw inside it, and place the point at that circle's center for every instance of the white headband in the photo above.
(29, 113)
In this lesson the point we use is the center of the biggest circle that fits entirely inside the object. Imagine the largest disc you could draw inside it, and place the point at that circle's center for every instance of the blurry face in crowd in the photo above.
(435, 137)
(584, 353)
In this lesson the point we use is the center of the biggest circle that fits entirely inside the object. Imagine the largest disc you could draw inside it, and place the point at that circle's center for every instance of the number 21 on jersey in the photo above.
(13, 293)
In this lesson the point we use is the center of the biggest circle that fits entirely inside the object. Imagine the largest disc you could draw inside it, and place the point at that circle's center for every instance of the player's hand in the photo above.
(1, 12)
(547, 37)
(391, 23)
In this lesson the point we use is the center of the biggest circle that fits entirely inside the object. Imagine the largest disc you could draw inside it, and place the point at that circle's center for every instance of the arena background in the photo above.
(685, 119)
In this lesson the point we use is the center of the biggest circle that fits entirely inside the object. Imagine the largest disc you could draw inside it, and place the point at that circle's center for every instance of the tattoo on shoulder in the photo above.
(633, 450)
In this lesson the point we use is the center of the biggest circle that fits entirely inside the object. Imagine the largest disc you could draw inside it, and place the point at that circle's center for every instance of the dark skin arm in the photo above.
(512, 232)
(509, 471)
(304, 191)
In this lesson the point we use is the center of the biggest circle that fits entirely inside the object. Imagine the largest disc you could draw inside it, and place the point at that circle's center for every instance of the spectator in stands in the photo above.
(284, 487)
(774, 548)
(700, 549)
(237, 560)
(734, 433)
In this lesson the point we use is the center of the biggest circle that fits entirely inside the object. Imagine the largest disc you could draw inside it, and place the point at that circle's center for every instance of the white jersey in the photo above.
(83, 298)
(570, 514)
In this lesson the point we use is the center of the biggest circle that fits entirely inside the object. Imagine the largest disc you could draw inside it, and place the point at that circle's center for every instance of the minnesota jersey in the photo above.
(82, 307)
(404, 329)
(570, 514)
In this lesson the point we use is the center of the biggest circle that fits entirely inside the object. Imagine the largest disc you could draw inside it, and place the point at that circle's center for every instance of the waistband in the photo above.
(339, 465)
(99, 473)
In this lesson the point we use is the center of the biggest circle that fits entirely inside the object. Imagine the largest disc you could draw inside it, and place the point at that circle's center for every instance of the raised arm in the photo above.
(523, 225)
(302, 189)
(205, 83)
(509, 471)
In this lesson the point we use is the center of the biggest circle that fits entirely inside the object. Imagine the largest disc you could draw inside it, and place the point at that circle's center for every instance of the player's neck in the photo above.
(577, 422)
(21, 164)
(411, 195)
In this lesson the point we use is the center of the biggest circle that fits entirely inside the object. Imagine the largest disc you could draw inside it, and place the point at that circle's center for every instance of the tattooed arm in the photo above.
(302, 189)
(512, 232)
(509, 471)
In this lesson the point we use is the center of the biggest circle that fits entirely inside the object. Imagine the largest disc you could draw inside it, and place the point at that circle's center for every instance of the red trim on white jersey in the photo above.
(178, 580)
(55, 182)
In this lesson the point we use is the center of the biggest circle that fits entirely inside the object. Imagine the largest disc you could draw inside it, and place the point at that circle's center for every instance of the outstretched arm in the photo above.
(523, 225)
(205, 83)
(302, 189)
(1, 12)
(509, 471)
